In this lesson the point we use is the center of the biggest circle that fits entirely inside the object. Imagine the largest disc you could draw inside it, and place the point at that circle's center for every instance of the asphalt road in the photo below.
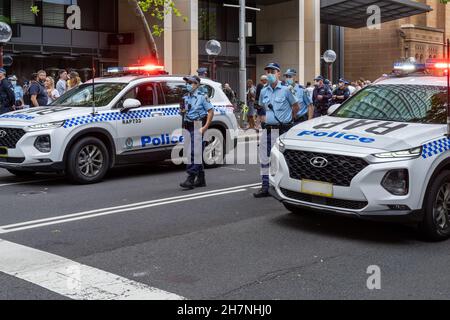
(214, 243)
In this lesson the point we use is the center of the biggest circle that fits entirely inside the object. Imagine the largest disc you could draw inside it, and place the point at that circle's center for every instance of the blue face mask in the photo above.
(271, 78)
(290, 81)
(189, 87)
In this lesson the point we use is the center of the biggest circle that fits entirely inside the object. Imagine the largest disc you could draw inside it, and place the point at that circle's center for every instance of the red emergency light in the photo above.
(145, 69)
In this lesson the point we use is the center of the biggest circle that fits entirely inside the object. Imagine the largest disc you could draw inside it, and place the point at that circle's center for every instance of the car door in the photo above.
(142, 129)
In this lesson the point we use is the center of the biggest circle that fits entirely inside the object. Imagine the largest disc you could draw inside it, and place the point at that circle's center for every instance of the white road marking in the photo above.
(26, 182)
(72, 279)
(33, 224)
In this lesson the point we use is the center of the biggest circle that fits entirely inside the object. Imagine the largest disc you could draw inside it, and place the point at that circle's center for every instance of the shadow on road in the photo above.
(349, 228)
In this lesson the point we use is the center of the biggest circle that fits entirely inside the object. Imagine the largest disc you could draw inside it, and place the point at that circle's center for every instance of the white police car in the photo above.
(382, 154)
(136, 119)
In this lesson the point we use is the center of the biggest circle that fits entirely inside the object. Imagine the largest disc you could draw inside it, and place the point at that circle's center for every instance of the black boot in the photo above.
(262, 194)
(201, 181)
(189, 183)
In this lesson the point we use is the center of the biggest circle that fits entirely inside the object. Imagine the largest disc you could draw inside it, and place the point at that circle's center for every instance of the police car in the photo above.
(383, 154)
(135, 119)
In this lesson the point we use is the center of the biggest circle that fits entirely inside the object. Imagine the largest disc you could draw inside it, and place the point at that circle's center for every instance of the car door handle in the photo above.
(158, 114)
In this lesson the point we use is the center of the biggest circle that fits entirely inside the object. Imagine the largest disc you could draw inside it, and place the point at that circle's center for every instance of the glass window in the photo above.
(21, 12)
(89, 14)
(144, 93)
(82, 96)
(401, 103)
(53, 15)
(173, 91)
(108, 18)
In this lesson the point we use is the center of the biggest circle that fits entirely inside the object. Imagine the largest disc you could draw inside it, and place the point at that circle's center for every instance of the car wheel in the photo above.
(215, 147)
(436, 223)
(19, 173)
(88, 161)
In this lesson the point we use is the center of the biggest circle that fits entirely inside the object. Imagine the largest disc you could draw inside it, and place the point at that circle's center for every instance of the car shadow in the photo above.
(350, 228)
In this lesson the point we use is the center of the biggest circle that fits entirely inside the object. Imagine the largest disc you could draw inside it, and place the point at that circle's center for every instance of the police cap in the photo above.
(273, 66)
(192, 79)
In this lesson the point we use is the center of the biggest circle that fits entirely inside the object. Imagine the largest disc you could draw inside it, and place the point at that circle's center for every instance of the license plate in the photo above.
(3, 152)
(316, 188)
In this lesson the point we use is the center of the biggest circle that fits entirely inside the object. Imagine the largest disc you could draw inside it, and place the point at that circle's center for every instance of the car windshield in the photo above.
(82, 96)
(400, 103)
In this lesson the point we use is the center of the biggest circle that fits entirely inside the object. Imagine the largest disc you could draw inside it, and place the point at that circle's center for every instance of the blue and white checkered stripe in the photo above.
(136, 114)
(436, 148)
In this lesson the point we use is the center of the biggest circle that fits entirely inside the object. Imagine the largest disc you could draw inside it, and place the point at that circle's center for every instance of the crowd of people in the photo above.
(41, 90)
(250, 115)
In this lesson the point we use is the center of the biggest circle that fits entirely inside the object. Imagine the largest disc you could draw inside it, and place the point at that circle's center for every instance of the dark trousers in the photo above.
(269, 137)
(197, 147)
(4, 109)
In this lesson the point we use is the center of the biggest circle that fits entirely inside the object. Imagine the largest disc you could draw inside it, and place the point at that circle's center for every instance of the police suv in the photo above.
(383, 154)
(135, 119)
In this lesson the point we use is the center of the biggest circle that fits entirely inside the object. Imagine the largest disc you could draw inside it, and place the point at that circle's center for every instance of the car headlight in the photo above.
(403, 154)
(280, 146)
(396, 182)
(45, 126)
(43, 144)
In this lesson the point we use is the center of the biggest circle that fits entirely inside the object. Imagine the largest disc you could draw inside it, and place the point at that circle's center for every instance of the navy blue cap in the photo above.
(202, 71)
(193, 79)
(273, 66)
(326, 81)
(342, 80)
(2, 70)
(290, 72)
(318, 78)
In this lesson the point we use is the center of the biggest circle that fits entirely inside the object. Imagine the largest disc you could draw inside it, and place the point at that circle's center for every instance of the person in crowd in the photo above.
(341, 93)
(6, 94)
(260, 111)
(231, 95)
(37, 92)
(251, 100)
(52, 92)
(74, 80)
(306, 107)
(310, 89)
(321, 97)
(61, 85)
(18, 92)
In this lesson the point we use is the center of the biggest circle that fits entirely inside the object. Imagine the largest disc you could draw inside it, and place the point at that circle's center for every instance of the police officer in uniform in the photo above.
(306, 105)
(341, 93)
(203, 74)
(281, 107)
(321, 97)
(7, 97)
(197, 112)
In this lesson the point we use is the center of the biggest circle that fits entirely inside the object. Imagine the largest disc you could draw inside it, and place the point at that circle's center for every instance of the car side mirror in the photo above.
(129, 104)
(333, 108)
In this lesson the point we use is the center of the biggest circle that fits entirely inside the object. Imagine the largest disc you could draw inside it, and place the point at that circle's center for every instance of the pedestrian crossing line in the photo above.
(33, 224)
(71, 279)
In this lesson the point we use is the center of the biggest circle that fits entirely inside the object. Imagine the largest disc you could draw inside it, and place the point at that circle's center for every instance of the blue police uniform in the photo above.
(278, 104)
(197, 106)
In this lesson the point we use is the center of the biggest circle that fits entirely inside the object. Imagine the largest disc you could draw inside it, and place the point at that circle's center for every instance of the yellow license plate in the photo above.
(317, 188)
(3, 152)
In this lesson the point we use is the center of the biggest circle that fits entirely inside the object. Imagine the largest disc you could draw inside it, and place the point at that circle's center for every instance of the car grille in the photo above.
(340, 170)
(336, 203)
(10, 137)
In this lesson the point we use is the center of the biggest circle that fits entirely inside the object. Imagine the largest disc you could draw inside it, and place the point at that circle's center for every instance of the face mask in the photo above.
(14, 83)
(290, 81)
(189, 87)
(271, 78)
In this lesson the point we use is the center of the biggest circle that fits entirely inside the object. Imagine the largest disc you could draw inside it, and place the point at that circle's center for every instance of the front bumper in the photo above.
(364, 198)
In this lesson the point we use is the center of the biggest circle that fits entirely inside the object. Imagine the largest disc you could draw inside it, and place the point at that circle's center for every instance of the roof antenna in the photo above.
(94, 111)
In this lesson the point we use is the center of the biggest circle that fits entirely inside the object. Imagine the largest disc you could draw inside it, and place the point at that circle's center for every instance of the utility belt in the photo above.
(282, 128)
(190, 124)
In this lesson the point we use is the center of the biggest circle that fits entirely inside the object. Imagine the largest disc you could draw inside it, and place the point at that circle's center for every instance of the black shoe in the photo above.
(189, 183)
(262, 194)
(200, 182)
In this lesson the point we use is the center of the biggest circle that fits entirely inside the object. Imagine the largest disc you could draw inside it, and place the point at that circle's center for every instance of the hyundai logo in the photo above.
(319, 162)
(3, 133)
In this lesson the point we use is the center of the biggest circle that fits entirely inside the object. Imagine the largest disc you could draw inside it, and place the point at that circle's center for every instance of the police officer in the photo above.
(321, 97)
(198, 113)
(6, 93)
(203, 74)
(305, 102)
(341, 93)
(281, 107)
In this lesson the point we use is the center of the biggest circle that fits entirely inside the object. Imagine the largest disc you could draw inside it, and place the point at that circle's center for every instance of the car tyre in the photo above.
(88, 161)
(436, 222)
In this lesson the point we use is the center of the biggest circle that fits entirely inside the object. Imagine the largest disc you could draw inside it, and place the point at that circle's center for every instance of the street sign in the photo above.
(261, 49)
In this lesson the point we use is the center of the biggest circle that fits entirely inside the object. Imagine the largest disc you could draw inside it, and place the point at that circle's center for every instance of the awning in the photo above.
(353, 13)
